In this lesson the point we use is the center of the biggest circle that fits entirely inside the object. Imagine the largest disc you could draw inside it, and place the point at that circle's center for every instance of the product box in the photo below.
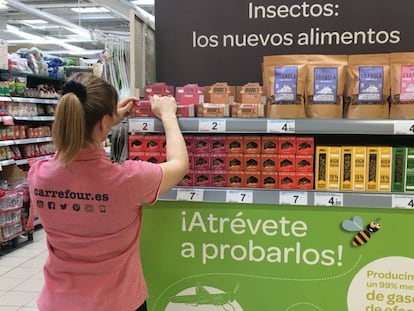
(236, 179)
(321, 167)
(218, 161)
(304, 180)
(201, 161)
(136, 156)
(384, 183)
(286, 163)
(136, 143)
(359, 167)
(270, 180)
(252, 161)
(304, 163)
(201, 144)
(287, 180)
(188, 180)
(334, 168)
(4, 63)
(269, 162)
(409, 172)
(252, 144)
(142, 108)
(217, 144)
(372, 169)
(270, 144)
(250, 93)
(399, 160)
(287, 144)
(153, 157)
(234, 144)
(240, 110)
(189, 142)
(158, 88)
(191, 160)
(185, 111)
(202, 178)
(153, 143)
(253, 179)
(305, 145)
(235, 162)
(347, 174)
(219, 93)
(219, 178)
(190, 94)
(208, 110)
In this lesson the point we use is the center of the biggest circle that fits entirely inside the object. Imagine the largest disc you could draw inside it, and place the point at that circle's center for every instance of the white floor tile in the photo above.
(27, 309)
(5, 269)
(30, 285)
(9, 283)
(12, 261)
(16, 298)
(8, 308)
(22, 273)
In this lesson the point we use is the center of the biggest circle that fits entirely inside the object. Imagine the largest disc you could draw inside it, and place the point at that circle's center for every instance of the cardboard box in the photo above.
(4, 62)
(270, 180)
(136, 143)
(189, 142)
(219, 93)
(208, 110)
(409, 172)
(372, 168)
(334, 168)
(384, 183)
(201, 144)
(321, 167)
(236, 179)
(234, 144)
(142, 108)
(399, 166)
(202, 178)
(347, 174)
(253, 179)
(217, 144)
(304, 180)
(185, 111)
(287, 144)
(269, 162)
(287, 180)
(153, 143)
(219, 178)
(158, 88)
(252, 144)
(240, 110)
(359, 167)
(153, 157)
(250, 93)
(305, 145)
(218, 161)
(188, 180)
(286, 163)
(137, 156)
(235, 162)
(304, 163)
(189, 94)
(201, 161)
(270, 144)
(252, 162)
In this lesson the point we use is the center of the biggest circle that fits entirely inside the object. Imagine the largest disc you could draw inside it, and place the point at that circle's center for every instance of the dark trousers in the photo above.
(143, 307)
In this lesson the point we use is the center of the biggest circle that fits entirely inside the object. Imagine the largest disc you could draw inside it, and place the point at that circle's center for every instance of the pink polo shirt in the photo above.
(91, 213)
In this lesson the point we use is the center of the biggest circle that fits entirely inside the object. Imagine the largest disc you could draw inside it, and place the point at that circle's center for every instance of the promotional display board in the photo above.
(206, 41)
(234, 256)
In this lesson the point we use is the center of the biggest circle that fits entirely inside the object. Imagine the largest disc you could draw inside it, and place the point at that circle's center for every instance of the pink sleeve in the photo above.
(144, 180)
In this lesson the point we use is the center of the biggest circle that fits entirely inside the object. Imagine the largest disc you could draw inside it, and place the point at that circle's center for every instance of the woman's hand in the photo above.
(163, 106)
(124, 107)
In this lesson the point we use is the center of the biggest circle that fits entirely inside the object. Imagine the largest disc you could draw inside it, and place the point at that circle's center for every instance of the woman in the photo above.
(90, 208)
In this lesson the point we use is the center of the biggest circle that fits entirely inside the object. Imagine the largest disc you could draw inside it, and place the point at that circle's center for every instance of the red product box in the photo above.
(236, 179)
(153, 143)
(270, 180)
(201, 144)
(252, 144)
(218, 161)
(270, 144)
(218, 178)
(305, 145)
(189, 94)
(201, 161)
(218, 144)
(137, 156)
(163, 157)
(189, 142)
(269, 162)
(202, 178)
(235, 162)
(158, 88)
(136, 143)
(153, 157)
(286, 163)
(287, 144)
(252, 162)
(287, 180)
(253, 179)
(185, 111)
(234, 144)
(188, 179)
(142, 108)
(304, 163)
(304, 180)
(163, 143)
(191, 161)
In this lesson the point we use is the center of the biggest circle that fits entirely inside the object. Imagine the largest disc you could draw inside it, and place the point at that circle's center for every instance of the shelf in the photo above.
(30, 75)
(29, 100)
(296, 126)
(7, 163)
(38, 118)
(32, 140)
(5, 143)
(27, 161)
(310, 197)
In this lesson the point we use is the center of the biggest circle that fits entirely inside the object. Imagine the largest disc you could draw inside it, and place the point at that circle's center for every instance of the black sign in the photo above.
(208, 41)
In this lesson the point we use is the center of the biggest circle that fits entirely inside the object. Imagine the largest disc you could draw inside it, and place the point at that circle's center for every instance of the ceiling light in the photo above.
(91, 9)
(34, 21)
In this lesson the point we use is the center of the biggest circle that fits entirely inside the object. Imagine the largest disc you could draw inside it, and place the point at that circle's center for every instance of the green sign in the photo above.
(233, 257)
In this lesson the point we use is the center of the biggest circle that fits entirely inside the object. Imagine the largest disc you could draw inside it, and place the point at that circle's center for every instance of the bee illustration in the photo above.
(357, 225)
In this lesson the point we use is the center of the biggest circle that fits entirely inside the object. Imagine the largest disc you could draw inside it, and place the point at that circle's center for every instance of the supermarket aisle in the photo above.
(21, 275)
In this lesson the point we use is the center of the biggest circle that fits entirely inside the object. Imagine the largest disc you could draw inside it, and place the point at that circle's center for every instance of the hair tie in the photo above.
(77, 88)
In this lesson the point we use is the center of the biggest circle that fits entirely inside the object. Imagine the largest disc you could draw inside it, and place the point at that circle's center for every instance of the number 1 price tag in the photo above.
(239, 196)
(293, 198)
(329, 199)
(281, 126)
(404, 127)
(141, 125)
(403, 201)
(190, 195)
(212, 125)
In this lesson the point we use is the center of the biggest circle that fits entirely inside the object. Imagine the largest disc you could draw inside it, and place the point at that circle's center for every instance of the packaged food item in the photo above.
(325, 83)
(334, 168)
(189, 94)
(347, 175)
(158, 88)
(368, 87)
(399, 166)
(359, 168)
(284, 79)
(402, 85)
(384, 178)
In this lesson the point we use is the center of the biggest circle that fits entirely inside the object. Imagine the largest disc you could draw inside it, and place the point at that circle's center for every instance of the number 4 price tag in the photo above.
(190, 195)
(329, 199)
(403, 201)
(212, 125)
(281, 126)
(404, 127)
(141, 125)
(293, 198)
(239, 196)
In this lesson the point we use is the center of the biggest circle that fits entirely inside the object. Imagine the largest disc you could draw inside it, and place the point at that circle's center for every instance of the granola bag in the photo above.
(402, 85)
(368, 87)
(284, 79)
(325, 84)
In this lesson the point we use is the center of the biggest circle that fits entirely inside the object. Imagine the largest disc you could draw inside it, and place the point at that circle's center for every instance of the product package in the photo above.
(249, 102)
(284, 79)
(368, 87)
(325, 85)
(402, 85)
(399, 160)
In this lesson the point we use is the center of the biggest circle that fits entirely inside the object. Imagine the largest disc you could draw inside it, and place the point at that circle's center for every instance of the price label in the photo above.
(239, 196)
(190, 195)
(405, 127)
(403, 201)
(8, 120)
(281, 126)
(212, 125)
(141, 125)
(329, 199)
(293, 198)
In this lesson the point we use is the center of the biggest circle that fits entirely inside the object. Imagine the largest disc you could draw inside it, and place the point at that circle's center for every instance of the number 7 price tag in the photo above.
(141, 125)
(293, 198)
(212, 125)
(403, 201)
(196, 195)
(239, 196)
